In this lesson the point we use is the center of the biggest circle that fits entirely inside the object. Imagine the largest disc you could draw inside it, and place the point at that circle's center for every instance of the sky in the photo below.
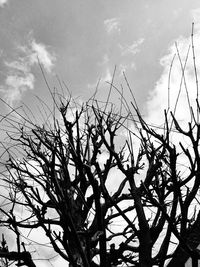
(82, 41)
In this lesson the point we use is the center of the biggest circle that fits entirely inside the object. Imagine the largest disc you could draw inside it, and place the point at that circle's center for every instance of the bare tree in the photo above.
(59, 174)
(104, 187)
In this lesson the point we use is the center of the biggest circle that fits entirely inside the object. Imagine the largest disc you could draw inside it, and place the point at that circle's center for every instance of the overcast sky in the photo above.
(82, 41)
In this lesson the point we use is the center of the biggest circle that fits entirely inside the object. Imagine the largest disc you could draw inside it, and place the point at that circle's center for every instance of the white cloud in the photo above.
(19, 65)
(112, 25)
(158, 98)
(131, 49)
(35, 52)
(20, 76)
(108, 76)
(15, 86)
(101, 82)
(184, 87)
(40, 52)
(178, 92)
(3, 2)
(18, 81)
(122, 69)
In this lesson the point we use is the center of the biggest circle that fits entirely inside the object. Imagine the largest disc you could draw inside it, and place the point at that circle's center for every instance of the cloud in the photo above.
(15, 86)
(40, 52)
(123, 68)
(3, 2)
(20, 76)
(112, 25)
(19, 65)
(131, 49)
(108, 76)
(166, 92)
(176, 93)
(36, 52)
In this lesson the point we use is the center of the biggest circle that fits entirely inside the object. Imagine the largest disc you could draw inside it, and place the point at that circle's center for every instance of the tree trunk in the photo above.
(145, 250)
(194, 262)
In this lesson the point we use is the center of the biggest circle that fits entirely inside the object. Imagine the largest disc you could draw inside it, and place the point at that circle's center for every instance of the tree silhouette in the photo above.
(60, 173)
(103, 186)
